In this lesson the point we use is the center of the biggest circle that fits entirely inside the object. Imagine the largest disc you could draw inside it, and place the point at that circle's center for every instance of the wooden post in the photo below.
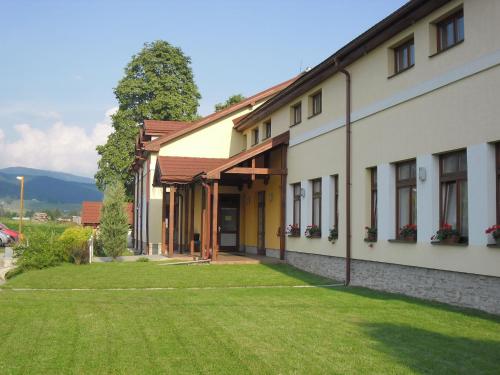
(215, 224)
(163, 217)
(203, 224)
(171, 222)
(185, 241)
(283, 203)
(208, 221)
(191, 226)
(253, 167)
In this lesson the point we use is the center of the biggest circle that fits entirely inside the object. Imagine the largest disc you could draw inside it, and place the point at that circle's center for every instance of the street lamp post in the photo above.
(21, 178)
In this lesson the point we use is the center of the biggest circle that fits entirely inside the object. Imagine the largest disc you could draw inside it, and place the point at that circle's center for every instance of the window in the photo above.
(453, 197)
(316, 202)
(244, 141)
(498, 183)
(296, 204)
(315, 102)
(450, 31)
(296, 114)
(255, 136)
(336, 201)
(404, 56)
(406, 194)
(267, 129)
(373, 197)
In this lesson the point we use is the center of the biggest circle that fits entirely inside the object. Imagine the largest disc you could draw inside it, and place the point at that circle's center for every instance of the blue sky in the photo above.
(61, 59)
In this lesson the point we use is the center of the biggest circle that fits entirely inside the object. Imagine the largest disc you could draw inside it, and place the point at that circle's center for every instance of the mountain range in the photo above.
(42, 186)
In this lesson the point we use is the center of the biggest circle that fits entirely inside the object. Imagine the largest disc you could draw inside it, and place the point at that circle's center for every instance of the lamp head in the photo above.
(20, 178)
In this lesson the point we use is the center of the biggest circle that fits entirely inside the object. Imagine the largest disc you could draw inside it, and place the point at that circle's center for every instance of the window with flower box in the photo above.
(316, 203)
(373, 197)
(453, 195)
(296, 205)
(406, 198)
(498, 182)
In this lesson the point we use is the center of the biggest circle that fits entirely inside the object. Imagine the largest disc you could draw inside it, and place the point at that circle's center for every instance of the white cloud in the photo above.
(60, 147)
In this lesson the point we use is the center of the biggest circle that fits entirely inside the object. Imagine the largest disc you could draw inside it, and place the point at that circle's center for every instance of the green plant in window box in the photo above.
(293, 230)
(312, 231)
(408, 232)
(334, 235)
(446, 234)
(371, 234)
(494, 230)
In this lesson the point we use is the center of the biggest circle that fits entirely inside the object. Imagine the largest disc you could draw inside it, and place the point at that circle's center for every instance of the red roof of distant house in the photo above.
(91, 213)
(184, 169)
(155, 145)
(161, 127)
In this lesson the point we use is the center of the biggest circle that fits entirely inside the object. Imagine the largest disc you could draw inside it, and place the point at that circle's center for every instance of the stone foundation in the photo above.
(455, 288)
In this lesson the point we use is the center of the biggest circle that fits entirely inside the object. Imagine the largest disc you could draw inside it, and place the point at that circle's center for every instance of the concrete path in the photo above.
(130, 258)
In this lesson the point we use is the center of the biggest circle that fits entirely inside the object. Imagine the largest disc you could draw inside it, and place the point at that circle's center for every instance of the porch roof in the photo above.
(178, 169)
(257, 150)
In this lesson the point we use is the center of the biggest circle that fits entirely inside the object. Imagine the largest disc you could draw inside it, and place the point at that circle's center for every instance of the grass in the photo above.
(230, 331)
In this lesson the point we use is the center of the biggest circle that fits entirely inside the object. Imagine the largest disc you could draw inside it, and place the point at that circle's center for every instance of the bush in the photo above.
(73, 243)
(142, 259)
(114, 221)
(39, 249)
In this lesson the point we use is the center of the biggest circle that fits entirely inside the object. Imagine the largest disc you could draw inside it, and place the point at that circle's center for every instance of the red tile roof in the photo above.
(161, 127)
(183, 169)
(156, 144)
(91, 213)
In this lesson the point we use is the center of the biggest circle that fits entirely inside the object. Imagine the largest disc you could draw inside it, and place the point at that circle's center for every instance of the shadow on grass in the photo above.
(313, 279)
(428, 352)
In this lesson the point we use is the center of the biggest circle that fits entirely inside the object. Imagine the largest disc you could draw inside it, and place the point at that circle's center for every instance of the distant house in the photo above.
(91, 213)
(40, 217)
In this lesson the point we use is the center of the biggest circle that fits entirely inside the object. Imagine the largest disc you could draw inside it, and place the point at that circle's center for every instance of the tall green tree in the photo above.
(113, 227)
(158, 85)
(233, 99)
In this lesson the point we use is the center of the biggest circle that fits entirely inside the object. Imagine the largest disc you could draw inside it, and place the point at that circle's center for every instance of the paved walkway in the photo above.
(5, 263)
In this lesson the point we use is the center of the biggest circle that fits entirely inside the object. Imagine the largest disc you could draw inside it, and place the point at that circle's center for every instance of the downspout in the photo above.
(348, 173)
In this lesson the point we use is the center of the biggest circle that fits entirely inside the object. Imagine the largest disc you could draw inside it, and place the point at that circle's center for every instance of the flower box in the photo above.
(371, 234)
(312, 231)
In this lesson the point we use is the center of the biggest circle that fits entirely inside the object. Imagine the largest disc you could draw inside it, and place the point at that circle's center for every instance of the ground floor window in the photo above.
(316, 202)
(373, 197)
(406, 195)
(453, 195)
(296, 204)
(498, 181)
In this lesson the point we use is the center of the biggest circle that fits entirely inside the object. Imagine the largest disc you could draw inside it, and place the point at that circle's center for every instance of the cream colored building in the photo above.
(424, 89)
(399, 129)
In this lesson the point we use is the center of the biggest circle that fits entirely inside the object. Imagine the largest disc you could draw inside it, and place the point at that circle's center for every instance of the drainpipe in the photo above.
(348, 173)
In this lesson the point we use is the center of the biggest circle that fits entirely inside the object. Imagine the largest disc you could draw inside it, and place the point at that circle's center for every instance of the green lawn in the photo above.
(230, 331)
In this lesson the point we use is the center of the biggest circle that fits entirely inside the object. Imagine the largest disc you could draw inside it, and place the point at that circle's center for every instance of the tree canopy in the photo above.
(233, 99)
(158, 85)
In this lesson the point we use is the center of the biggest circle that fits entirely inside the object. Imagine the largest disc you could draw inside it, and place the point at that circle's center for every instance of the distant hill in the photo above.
(22, 171)
(47, 188)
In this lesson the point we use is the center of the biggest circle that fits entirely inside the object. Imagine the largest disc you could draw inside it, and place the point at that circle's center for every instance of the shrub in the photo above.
(39, 249)
(142, 259)
(74, 244)
(114, 221)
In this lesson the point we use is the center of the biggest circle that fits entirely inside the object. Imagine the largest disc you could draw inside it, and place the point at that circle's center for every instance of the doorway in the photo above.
(261, 223)
(229, 219)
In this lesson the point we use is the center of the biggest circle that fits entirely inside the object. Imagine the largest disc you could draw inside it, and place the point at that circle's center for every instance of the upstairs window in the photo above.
(453, 197)
(244, 141)
(315, 104)
(296, 114)
(255, 136)
(406, 194)
(267, 129)
(404, 56)
(450, 31)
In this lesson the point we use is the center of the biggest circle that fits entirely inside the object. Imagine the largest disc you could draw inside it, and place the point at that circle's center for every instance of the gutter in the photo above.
(347, 172)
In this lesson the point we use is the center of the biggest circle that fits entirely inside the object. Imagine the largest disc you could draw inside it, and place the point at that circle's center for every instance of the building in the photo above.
(91, 214)
(389, 140)
(204, 142)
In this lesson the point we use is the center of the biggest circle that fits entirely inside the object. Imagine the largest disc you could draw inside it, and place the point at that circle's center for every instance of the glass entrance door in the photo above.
(229, 214)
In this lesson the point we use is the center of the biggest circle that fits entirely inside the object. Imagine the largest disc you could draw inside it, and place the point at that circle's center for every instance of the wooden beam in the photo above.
(163, 217)
(253, 167)
(254, 171)
(191, 224)
(171, 222)
(283, 203)
(215, 223)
